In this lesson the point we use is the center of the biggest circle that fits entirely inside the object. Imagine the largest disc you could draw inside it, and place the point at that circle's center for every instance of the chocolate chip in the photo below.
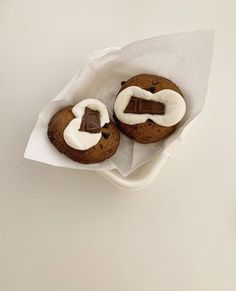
(151, 89)
(122, 83)
(105, 134)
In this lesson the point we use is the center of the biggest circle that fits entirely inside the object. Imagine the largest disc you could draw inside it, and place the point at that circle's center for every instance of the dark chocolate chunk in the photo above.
(106, 125)
(90, 121)
(151, 89)
(141, 106)
(105, 134)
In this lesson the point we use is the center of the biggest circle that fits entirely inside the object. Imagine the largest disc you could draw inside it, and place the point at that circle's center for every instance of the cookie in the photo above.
(84, 132)
(148, 108)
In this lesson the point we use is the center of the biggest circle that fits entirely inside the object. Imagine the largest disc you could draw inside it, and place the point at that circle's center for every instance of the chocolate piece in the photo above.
(122, 83)
(151, 89)
(105, 134)
(90, 121)
(141, 106)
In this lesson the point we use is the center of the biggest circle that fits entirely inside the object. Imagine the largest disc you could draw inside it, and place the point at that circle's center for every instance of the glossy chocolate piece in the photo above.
(90, 121)
(141, 106)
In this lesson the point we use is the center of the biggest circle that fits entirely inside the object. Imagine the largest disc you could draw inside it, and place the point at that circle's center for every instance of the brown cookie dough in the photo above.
(103, 150)
(149, 131)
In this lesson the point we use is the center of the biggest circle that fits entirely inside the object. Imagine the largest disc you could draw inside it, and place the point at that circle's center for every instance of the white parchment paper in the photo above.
(185, 58)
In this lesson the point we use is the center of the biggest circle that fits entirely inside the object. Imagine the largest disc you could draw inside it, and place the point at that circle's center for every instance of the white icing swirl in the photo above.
(175, 106)
(81, 140)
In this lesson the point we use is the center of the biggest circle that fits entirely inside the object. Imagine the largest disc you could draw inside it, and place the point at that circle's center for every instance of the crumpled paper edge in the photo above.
(66, 90)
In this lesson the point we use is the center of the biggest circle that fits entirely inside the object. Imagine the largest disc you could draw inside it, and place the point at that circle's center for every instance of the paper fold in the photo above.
(185, 58)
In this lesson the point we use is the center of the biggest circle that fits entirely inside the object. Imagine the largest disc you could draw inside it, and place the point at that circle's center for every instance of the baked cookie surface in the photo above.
(104, 149)
(148, 131)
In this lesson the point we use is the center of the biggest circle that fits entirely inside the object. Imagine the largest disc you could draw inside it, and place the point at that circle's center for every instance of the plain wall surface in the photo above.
(63, 229)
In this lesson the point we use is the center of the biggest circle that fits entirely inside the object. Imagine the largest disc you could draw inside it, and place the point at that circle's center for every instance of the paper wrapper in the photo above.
(184, 58)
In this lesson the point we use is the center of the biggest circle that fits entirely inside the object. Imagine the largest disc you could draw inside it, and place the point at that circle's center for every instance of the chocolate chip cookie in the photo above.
(148, 108)
(85, 135)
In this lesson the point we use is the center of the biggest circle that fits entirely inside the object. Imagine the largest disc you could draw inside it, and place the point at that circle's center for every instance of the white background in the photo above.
(63, 229)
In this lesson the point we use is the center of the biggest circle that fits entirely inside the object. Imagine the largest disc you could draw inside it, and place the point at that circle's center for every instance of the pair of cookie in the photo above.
(147, 109)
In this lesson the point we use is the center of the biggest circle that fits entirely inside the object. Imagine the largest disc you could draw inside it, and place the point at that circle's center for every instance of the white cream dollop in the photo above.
(81, 140)
(175, 106)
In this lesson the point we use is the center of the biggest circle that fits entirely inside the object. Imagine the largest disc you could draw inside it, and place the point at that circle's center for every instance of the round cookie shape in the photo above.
(102, 150)
(151, 87)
